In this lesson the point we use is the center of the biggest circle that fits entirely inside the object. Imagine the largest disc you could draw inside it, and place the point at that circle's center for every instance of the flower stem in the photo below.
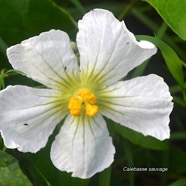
(127, 9)
(104, 177)
(4, 149)
(3, 46)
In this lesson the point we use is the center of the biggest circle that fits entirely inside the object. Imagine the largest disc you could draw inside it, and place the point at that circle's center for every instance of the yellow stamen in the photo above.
(83, 98)
(91, 110)
(75, 106)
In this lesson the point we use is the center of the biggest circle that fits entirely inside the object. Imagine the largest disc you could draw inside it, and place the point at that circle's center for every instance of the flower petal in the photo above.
(142, 104)
(28, 116)
(47, 58)
(108, 51)
(83, 146)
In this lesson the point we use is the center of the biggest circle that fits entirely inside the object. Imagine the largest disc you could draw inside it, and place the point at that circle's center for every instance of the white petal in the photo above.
(47, 58)
(83, 146)
(108, 51)
(28, 116)
(142, 104)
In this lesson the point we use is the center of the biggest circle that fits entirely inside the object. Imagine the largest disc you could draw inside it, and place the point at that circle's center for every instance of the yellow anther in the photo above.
(75, 106)
(83, 93)
(91, 110)
(91, 98)
(83, 99)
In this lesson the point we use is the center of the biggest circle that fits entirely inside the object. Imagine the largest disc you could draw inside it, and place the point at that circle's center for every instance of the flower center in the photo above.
(83, 99)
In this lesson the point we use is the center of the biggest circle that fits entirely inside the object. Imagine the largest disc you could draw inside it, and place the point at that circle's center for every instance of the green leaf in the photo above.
(173, 12)
(178, 136)
(21, 19)
(173, 62)
(177, 160)
(139, 139)
(10, 172)
(179, 101)
(2, 76)
(180, 182)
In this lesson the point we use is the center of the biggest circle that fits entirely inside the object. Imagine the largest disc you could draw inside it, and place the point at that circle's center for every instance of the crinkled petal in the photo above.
(142, 104)
(47, 58)
(83, 146)
(28, 116)
(108, 51)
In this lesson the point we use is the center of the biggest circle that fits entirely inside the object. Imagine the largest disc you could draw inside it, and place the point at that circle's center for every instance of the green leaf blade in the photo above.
(10, 172)
(173, 12)
(180, 182)
(139, 139)
(173, 62)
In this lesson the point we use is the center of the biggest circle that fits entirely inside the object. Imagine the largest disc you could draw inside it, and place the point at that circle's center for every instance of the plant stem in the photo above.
(3, 46)
(155, 27)
(126, 10)
(79, 6)
(104, 177)
(129, 158)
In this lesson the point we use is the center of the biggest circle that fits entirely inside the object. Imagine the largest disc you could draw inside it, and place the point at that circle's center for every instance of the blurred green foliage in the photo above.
(21, 19)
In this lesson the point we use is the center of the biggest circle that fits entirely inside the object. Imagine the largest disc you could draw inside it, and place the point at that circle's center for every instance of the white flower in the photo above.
(82, 91)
